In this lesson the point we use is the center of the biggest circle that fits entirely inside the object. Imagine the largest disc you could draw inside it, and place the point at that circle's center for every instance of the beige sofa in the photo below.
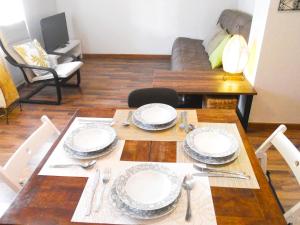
(189, 54)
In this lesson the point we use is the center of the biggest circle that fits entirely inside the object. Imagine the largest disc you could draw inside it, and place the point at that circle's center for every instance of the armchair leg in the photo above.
(27, 99)
(58, 93)
(78, 78)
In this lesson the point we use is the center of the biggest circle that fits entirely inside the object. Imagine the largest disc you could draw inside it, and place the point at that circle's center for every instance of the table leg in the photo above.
(245, 102)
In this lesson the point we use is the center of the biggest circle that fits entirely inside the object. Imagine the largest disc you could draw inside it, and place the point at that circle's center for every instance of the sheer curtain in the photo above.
(11, 11)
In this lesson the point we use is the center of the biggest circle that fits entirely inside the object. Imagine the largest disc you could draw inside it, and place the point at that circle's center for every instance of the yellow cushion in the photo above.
(33, 54)
(7, 86)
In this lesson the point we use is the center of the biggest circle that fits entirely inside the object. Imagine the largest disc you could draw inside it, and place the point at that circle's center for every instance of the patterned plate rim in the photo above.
(105, 152)
(153, 128)
(194, 155)
(123, 178)
(68, 140)
(140, 214)
(232, 149)
(137, 113)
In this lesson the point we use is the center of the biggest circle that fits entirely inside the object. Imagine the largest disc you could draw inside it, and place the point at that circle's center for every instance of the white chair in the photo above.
(24, 161)
(291, 155)
(17, 34)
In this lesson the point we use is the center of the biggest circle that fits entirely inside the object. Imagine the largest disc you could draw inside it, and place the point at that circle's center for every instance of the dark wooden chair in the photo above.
(145, 96)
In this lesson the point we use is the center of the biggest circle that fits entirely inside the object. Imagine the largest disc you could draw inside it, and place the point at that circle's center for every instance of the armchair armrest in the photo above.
(25, 66)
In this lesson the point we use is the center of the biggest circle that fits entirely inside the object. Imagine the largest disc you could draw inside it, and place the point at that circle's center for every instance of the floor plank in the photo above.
(107, 82)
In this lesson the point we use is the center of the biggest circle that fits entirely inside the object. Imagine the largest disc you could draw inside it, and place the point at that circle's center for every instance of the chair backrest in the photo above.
(145, 96)
(286, 148)
(11, 35)
(291, 155)
(11, 173)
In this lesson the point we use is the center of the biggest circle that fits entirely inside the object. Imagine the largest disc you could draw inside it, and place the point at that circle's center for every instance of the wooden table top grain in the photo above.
(203, 82)
(49, 200)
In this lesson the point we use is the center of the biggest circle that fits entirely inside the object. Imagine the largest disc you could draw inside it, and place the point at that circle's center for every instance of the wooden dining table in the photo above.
(49, 200)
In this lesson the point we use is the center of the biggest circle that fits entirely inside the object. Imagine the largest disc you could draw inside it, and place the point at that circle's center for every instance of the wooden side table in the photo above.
(212, 83)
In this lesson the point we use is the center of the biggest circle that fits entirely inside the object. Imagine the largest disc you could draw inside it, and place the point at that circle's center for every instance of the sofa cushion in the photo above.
(189, 54)
(236, 22)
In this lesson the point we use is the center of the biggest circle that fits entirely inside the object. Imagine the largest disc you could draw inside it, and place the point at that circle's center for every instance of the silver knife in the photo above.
(95, 182)
(209, 174)
(90, 121)
(206, 169)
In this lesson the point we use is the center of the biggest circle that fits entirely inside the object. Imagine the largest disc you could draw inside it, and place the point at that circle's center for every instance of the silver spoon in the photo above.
(86, 165)
(127, 121)
(188, 184)
(192, 127)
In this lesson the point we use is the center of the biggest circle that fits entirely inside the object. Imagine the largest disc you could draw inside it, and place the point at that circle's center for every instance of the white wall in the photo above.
(246, 6)
(139, 26)
(35, 10)
(278, 71)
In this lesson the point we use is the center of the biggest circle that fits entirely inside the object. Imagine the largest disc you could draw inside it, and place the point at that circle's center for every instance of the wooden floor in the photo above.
(107, 82)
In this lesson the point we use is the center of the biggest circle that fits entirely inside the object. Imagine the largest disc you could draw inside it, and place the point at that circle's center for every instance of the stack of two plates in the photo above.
(90, 141)
(146, 191)
(211, 146)
(155, 117)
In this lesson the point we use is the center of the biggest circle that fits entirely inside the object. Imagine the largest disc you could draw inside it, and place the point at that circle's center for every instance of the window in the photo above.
(11, 11)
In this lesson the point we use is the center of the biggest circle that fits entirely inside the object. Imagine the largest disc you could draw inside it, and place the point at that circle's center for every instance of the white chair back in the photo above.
(291, 155)
(42, 138)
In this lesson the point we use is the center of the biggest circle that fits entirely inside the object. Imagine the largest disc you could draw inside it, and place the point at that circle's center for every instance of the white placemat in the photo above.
(59, 156)
(202, 204)
(242, 163)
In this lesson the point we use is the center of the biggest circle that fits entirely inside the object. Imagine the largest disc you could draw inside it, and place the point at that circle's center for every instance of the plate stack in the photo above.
(146, 191)
(211, 146)
(90, 141)
(155, 117)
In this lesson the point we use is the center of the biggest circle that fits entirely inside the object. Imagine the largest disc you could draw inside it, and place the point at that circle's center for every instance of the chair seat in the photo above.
(63, 71)
(7, 196)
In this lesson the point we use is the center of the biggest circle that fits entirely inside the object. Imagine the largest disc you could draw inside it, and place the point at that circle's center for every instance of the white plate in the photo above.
(212, 142)
(148, 187)
(90, 138)
(155, 114)
(94, 155)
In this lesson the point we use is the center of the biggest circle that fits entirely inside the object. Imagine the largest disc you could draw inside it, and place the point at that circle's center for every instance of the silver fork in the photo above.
(188, 185)
(127, 121)
(105, 180)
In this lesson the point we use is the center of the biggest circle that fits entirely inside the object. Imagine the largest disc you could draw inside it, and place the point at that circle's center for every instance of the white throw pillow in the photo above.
(207, 39)
(215, 41)
(33, 54)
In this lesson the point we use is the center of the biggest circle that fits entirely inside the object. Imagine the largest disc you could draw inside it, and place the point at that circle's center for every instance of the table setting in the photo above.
(147, 193)
(131, 192)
